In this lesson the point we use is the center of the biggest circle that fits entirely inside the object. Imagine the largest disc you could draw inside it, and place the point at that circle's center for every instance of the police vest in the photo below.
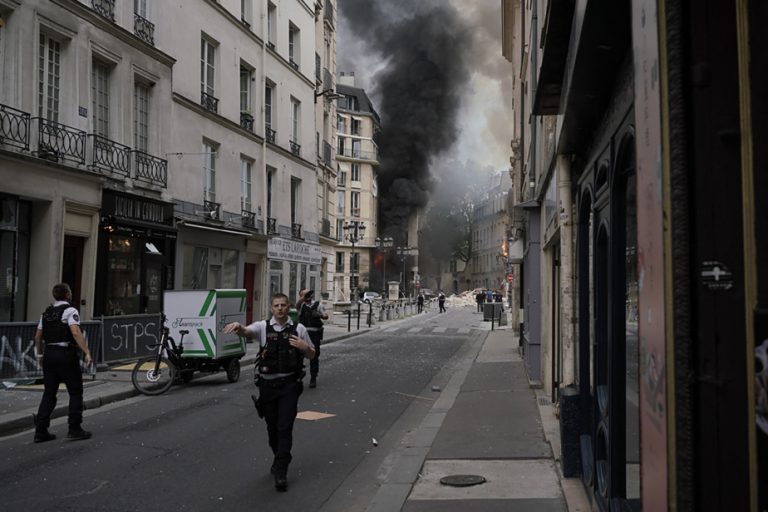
(54, 330)
(308, 318)
(278, 356)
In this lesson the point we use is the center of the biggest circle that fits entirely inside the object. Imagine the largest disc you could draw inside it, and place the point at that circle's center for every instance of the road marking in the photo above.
(464, 330)
(414, 396)
(414, 329)
(439, 329)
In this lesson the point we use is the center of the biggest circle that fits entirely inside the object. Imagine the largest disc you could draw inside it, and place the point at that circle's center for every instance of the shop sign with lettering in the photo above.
(292, 250)
(137, 208)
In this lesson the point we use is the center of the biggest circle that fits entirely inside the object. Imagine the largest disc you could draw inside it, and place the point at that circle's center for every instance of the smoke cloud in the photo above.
(418, 59)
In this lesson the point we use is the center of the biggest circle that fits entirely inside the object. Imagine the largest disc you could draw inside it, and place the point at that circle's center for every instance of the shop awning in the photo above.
(216, 229)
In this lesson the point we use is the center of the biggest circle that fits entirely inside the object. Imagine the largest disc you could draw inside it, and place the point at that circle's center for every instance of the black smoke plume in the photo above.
(424, 48)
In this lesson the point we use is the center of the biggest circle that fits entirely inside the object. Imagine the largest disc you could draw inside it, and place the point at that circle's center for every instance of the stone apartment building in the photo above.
(137, 157)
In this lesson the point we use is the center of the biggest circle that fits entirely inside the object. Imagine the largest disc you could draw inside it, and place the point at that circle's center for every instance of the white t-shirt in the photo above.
(70, 316)
(258, 330)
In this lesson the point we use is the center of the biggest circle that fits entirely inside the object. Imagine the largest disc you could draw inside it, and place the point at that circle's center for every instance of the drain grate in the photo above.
(462, 480)
(544, 401)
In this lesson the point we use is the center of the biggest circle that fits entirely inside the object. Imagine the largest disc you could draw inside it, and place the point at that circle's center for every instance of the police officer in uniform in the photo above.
(284, 345)
(58, 340)
(311, 315)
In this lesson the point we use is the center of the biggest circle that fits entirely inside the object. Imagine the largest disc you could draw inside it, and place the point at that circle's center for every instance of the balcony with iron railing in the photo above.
(355, 212)
(150, 169)
(246, 121)
(144, 29)
(110, 156)
(293, 63)
(271, 226)
(271, 45)
(295, 148)
(105, 8)
(212, 210)
(56, 141)
(209, 102)
(271, 135)
(341, 181)
(296, 230)
(359, 154)
(318, 66)
(248, 219)
(327, 80)
(14, 128)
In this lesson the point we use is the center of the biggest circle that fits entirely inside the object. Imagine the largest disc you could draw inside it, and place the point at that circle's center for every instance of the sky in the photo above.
(435, 74)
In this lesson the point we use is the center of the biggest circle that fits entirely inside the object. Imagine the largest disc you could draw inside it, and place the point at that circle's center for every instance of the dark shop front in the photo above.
(137, 244)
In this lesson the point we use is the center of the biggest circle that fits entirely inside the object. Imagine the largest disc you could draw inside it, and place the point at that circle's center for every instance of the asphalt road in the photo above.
(201, 447)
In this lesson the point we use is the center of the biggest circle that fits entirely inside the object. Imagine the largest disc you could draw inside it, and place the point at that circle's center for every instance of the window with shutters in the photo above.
(49, 78)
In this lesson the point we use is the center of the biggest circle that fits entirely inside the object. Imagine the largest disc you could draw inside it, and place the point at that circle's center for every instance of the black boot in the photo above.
(281, 482)
(78, 434)
(313, 381)
(41, 436)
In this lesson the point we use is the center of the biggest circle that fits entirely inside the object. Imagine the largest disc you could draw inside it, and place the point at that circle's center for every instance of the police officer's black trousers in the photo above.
(442, 306)
(280, 405)
(61, 365)
(317, 340)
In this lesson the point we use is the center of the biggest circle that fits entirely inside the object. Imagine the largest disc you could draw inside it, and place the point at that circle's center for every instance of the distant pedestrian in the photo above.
(480, 299)
(420, 302)
(441, 302)
(284, 345)
(311, 315)
(59, 340)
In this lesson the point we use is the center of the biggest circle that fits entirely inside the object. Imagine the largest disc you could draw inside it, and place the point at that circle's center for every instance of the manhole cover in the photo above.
(462, 480)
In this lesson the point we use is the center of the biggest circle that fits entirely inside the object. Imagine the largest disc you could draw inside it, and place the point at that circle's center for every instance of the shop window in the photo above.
(124, 263)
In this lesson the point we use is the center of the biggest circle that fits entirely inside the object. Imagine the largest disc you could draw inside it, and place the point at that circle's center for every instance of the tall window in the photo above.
(341, 180)
(49, 77)
(245, 11)
(340, 202)
(245, 185)
(271, 20)
(245, 89)
(270, 187)
(268, 106)
(340, 262)
(295, 200)
(140, 117)
(355, 124)
(293, 45)
(341, 124)
(140, 8)
(354, 263)
(295, 120)
(342, 143)
(207, 66)
(355, 175)
(100, 98)
(209, 172)
(354, 203)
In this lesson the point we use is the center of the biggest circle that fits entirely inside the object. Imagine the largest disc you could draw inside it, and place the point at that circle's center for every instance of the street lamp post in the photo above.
(354, 231)
(384, 244)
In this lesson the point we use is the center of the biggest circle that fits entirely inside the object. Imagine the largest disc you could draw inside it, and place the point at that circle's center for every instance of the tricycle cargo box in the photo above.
(204, 313)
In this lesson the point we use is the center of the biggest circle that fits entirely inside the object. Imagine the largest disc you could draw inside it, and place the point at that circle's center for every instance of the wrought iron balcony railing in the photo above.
(355, 212)
(209, 102)
(318, 76)
(150, 169)
(359, 154)
(109, 155)
(14, 127)
(296, 148)
(246, 121)
(248, 218)
(144, 29)
(105, 8)
(271, 135)
(296, 230)
(327, 79)
(294, 64)
(56, 141)
(326, 228)
(245, 23)
(212, 210)
(271, 45)
(327, 152)
(341, 181)
(271, 226)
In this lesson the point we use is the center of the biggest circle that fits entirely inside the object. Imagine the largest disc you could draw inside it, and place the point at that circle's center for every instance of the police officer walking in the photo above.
(57, 340)
(441, 302)
(311, 315)
(284, 345)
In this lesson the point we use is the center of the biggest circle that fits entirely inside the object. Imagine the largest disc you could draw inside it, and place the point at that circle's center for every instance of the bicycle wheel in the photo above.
(147, 381)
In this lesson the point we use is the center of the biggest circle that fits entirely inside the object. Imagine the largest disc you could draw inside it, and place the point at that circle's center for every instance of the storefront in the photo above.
(137, 246)
(293, 265)
(14, 257)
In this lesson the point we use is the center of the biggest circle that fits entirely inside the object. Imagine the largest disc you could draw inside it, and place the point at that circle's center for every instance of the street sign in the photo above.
(510, 277)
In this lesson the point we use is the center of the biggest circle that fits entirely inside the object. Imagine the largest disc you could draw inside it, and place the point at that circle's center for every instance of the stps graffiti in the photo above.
(17, 349)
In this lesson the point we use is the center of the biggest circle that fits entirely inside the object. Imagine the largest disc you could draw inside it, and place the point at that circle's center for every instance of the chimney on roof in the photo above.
(347, 78)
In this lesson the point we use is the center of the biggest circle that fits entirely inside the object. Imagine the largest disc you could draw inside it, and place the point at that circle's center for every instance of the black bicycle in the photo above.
(154, 375)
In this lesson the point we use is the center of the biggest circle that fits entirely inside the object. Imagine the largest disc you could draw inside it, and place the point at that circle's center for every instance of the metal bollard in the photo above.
(358, 315)
(370, 313)
(349, 320)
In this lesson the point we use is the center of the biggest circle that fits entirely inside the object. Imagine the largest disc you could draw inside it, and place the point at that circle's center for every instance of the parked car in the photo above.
(369, 297)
